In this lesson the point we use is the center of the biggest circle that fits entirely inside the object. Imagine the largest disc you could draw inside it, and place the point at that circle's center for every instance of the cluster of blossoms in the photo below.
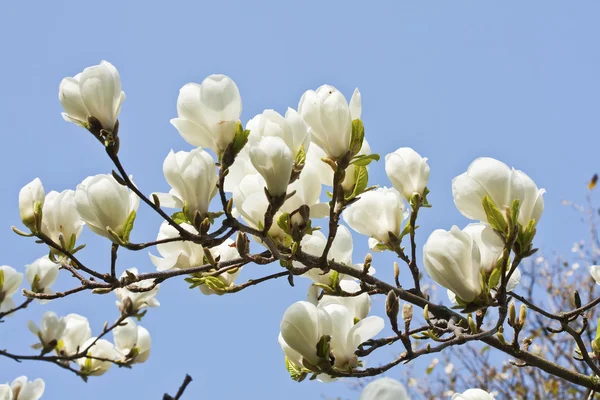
(274, 168)
(22, 389)
(390, 389)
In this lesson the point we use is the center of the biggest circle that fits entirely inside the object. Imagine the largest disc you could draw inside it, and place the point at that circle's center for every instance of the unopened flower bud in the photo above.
(512, 314)
(392, 307)
(522, 315)
(242, 244)
(407, 312)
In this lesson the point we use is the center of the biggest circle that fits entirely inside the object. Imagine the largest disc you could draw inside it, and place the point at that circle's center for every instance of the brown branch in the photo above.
(182, 388)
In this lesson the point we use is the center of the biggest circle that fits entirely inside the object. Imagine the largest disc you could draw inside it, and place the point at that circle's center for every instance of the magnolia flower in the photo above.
(376, 214)
(407, 171)
(180, 254)
(49, 332)
(330, 117)
(77, 332)
(314, 159)
(41, 274)
(274, 161)
(341, 251)
(512, 284)
(346, 335)
(139, 300)
(473, 394)
(358, 306)
(493, 178)
(290, 128)
(384, 389)
(23, 390)
(6, 392)
(105, 205)
(307, 191)
(241, 167)
(31, 199)
(595, 273)
(452, 259)
(95, 92)
(302, 326)
(489, 243)
(61, 218)
(208, 113)
(226, 251)
(192, 175)
(101, 349)
(132, 341)
(10, 280)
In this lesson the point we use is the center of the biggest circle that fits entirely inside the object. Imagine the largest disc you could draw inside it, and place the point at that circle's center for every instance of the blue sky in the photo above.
(453, 80)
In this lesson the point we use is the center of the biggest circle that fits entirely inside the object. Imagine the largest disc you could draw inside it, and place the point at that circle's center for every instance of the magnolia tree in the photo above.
(268, 178)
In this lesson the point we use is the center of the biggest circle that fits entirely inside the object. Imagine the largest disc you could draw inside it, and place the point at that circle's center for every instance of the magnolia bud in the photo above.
(242, 244)
(512, 314)
(407, 312)
(392, 306)
(522, 315)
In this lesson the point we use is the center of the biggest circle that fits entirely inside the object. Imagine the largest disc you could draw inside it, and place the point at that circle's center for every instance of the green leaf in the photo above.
(296, 372)
(324, 347)
(215, 284)
(334, 281)
(1, 278)
(493, 214)
(494, 278)
(364, 160)
(358, 135)
(180, 218)
(514, 210)
(128, 226)
(283, 221)
(361, 179)
(240, 139)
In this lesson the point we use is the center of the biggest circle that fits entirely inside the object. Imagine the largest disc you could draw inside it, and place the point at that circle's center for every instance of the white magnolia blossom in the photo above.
(473, 394)
(452, 259)
(274, 161)
(251, 203)
(290, 128)
(6, 392)
(102, 349)
(95, 92)
(50, 330)
(595, 273)
(408, 171)
(61, 218)
(193, 178)
(242, 167)
(302, 326)
(340, 251)
(330, 117)
(346, 335)
(132, 341)
(226, 251)
(384, 389)
(314, 159)
(77, 332)
(10, 280)
(490, 177)
(307, 191)
(179, 254)
(490, 244)
(358, 306)
(41, 274)
(376, 213)
(31, 197)
(139, 300)
(512, 284)
(105, 204)
(208, 113)
(22, 389)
